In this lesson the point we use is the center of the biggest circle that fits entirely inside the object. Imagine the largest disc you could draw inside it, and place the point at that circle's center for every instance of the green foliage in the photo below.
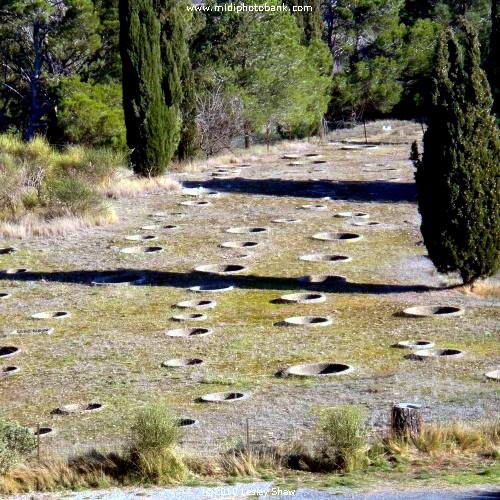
(457, 176)
(16, 443)
(309, 21)
(492, 66)
(260, 59)
(154, 435)
(367, 41)
(40, 41)
(90, 114)
(150, 119)
(342, 435)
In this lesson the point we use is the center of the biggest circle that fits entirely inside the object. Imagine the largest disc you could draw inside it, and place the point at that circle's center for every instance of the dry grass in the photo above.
(485, 288)
(130, 187)
(31, 225)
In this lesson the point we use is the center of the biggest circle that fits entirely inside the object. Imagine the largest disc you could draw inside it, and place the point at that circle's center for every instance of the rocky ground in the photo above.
(111, 348)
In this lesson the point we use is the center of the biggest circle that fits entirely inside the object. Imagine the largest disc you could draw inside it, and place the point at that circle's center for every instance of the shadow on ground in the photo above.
(183, 280)
(360, 191)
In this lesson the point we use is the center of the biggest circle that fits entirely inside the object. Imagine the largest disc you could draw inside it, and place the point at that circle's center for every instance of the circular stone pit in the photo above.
(7, 250)
(345, 215)
(212, 288)
(223, 397)
(74, 408)
(138, 250)
(323, 257)
(308, 321)
(493, 375)
(141, 237)
(182, 363)
(290, 156)
(240, 244)
(7, 371)
(220, 268)
(119, 279)
(436, 354)
(314, 206)
(19, 270)
(330, 236)
(247, 230)
(302, 298)
(151, 227)
(414, 344)
(365, 223)
(189, 317)
(43, 431)
(196, 304)
(318, 369)
(169, 227)
(5, 295)
(51, 315)
(187, 422)
(433, 311)
(188, 332)
(322, 279)
(195, 203)
(286, 221)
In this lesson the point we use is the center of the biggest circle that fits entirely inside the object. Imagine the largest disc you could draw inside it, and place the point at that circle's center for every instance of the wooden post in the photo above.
(364, 127)
(248, 434)
(38, 452)
(406, 420)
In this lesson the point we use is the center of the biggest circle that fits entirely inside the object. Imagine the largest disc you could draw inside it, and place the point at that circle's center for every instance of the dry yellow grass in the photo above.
(129, 187)
(31, 225)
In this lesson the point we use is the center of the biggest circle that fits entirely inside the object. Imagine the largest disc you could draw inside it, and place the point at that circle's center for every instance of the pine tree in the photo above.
(457, 176)
(147, 119)
(309, 21)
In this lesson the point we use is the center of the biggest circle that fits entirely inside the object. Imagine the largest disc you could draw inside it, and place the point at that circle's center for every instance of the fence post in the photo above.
(248, 433)
(38, 452)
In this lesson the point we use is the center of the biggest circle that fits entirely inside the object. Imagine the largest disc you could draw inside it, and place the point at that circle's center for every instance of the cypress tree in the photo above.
(146, 117)
(178, 81)
(457, 175)
(310, 22)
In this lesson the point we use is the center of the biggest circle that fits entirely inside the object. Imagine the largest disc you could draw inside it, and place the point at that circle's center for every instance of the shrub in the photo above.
(16, 442)
(154, 436)
(91, 114)
(71, 196)
(342, 434)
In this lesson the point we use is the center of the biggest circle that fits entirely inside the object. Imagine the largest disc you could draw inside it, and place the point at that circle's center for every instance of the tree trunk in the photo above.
(406, 420)
(36, 108)
(247, 140)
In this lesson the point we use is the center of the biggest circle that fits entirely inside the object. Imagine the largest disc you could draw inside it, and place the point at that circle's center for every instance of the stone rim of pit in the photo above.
(221, 268)
(240, 244)
(493, 374)
(302, 298)
(139, 249)
(325, 257)
(443, 353)
(212, 288)
(415, 344)
(322, 279)
(349, 214)
(336, 236)
(5, 295)
(321, 369)
(433, 311)
(247, 230)
(196, 304)
(189, 317)
(73, 408)
(126, 279)
(193, 332)
(7, 371)
(309, 321)
(314, 206)
(182, 362)
(287, 221)
(51, 315)
(7, 250)
(141, 237)
(224, 397)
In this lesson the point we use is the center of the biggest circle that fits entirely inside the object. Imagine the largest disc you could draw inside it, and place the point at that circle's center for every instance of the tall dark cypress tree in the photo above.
(146, 116)
(178, 82)
(457, 175)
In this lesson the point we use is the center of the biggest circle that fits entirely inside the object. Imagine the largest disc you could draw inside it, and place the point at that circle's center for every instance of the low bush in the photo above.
(16, 443)
(155, 434)
(342, 438)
